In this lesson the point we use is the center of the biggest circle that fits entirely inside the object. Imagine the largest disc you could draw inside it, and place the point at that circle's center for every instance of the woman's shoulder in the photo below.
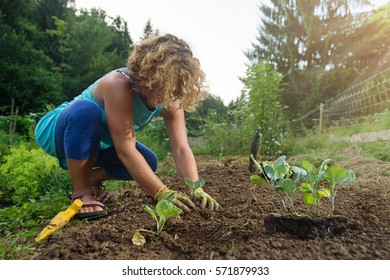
(116, 79)
(113, 83)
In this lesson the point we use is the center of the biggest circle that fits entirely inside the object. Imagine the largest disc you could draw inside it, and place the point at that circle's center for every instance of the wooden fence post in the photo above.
(321, 118)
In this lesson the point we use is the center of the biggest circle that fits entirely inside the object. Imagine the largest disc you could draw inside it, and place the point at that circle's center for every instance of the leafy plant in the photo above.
(194, 185)
(310, 188)
(29, 174)
(321, 182)
(315, 183)
(165, 210)
(335, 175)
(277, 175)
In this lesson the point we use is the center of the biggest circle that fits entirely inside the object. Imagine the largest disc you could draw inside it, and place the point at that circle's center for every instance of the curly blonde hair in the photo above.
(163, 70)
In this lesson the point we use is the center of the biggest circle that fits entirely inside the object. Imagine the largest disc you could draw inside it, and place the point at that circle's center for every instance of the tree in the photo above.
(59, 48)
(121, 43)
(25, 70)
(13, 10)
(47, 9)
(370, 51)
(307, 39)
(49, 55)
(92, 51)
(210, 109)
(149, 31)
(263, 86)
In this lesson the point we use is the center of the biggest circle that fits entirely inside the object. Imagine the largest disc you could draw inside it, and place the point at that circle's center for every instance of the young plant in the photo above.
(336, 175)
(313, 177)
(277, 175)
(310, 188)
(165, 210)
(194, 185)
(316, 182)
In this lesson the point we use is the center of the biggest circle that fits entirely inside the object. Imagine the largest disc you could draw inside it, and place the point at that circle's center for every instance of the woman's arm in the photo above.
(118, 102)
(181, 151)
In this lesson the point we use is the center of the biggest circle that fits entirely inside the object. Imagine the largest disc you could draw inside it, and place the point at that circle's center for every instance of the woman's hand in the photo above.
(207, 200)
(178, 199)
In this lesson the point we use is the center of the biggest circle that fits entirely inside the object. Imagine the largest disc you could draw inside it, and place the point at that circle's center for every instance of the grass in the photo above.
(334, 139)
(376, 122)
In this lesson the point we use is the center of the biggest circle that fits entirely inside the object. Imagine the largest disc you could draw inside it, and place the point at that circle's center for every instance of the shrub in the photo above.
(28, 174)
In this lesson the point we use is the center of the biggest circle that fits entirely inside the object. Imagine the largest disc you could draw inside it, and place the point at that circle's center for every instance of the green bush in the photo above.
(28, 174)
(33, 189)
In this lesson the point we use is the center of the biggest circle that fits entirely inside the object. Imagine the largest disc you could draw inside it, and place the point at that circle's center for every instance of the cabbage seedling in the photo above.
(277, 176)
(194, 185)
(316, 182)
(310, 188)
(165, 210)
(335, 175)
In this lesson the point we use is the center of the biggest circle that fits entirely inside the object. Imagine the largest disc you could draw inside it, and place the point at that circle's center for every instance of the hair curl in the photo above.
(164, 70)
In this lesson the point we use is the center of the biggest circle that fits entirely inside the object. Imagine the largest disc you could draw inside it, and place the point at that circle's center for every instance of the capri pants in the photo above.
(78, 134)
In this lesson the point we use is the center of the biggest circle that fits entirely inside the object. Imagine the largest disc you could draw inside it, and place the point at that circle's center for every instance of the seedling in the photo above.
(332, 175)
(277, 175)
(164, 210)
(335, 175)
(312, 177)
(315, 183)
(194, 185)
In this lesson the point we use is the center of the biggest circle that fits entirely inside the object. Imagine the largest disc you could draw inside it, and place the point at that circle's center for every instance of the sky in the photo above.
(218, 31)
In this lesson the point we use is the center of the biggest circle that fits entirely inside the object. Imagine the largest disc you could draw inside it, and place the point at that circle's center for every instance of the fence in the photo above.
(364, 99)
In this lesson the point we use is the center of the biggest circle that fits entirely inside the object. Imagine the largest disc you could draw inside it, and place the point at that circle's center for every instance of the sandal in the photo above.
(88, 215)
(104, 196)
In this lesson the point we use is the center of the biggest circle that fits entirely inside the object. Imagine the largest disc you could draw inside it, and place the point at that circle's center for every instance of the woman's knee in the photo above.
(86, 111)
(153, 162)
(149, 155)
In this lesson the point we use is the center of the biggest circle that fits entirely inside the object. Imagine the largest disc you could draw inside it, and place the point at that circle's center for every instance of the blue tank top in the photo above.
(45, 129)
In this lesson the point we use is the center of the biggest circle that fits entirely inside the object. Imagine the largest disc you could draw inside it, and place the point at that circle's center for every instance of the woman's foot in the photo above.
(101, 195)
(91, 208)
(98, 176)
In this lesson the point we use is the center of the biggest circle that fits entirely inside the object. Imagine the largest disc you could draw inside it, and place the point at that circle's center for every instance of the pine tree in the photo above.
(149, 31)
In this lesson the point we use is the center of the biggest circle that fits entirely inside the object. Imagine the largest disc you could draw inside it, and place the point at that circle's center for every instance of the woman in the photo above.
(97, 128)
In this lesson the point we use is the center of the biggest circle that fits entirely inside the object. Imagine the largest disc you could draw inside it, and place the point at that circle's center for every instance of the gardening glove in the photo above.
(178, 199)
(207, 200)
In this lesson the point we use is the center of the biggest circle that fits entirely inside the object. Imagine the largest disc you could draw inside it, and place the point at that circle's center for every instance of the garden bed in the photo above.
(238, 231)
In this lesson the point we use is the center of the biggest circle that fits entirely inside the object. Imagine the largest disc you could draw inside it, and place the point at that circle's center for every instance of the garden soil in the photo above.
(237, 232)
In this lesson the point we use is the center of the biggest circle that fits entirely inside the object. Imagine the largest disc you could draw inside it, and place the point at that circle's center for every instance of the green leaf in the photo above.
(306, 188)
(350, 177)
(299, 171)
(307, 198)
(279, 162)
(289, 185)
(167, 209)
(323, 166)
(255, 179)
(150, 211)
(269, 171)
(322, 169)
(188, 182)
(282, 170)
(199, 183)
(258, 166)
(324, 193)
(194, 185)
(307, 166)
(335, 174)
